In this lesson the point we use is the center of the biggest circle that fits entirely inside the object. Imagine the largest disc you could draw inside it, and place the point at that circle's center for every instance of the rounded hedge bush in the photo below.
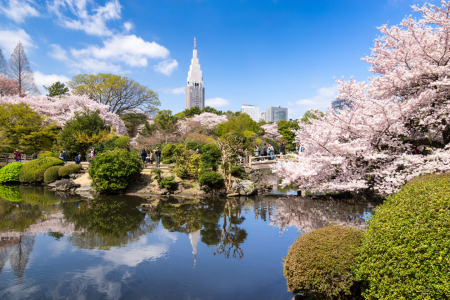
(46, 154)
(34, 170)
(10, 172)
(69, 169)
(122, 142)
(114, 170)
(212, 180)
(322, 260)
(51, 174)
(406, 249)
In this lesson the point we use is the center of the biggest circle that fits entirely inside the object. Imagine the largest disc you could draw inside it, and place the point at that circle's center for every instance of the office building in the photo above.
(263, 116)
(251, 110)
(275, 114)
(195, 92)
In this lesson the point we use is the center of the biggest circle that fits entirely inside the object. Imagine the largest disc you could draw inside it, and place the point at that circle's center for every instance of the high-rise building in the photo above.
(275, 114)
(340, 104)
(251, 110)
(195, 92)
(263, 116)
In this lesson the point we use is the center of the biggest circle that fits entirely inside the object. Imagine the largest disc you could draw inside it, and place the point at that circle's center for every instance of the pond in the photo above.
(55, 246)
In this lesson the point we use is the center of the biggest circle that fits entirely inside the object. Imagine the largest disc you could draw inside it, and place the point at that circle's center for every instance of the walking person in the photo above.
(17, 155)
(64, 156)
(263, 151)
(270, 149)
(158, 156)
(143, 156)
(150, 156)
(282, 150)
(61, 156)
(34, 155)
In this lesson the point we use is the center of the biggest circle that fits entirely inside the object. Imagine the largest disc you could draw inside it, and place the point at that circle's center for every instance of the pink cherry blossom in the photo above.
(271, 131)
(62, 109)
(8, 86)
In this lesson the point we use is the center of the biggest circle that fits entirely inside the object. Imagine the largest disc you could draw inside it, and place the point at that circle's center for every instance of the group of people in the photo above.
(150, 156)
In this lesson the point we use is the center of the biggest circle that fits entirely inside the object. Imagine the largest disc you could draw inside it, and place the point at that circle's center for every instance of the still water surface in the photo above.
(55, 247)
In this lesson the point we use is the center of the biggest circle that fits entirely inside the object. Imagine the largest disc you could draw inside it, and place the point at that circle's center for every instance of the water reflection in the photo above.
(132, 248)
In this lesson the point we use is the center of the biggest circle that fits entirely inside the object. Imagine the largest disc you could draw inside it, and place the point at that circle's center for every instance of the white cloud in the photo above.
(10, 38)
(290, 103)
(166, 67)
(130, 49)
(18, 10)
(128, 26)
(58, 53)
(322, 99)
(91, 20)
(217, 102)
(47, 80)
(175, 91)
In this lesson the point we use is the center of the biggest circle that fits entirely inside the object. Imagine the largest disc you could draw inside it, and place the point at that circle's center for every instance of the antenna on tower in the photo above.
(195, 42)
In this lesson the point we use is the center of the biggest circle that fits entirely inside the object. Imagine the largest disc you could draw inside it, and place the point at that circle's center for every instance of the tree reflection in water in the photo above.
(105, 223)
(205, 217)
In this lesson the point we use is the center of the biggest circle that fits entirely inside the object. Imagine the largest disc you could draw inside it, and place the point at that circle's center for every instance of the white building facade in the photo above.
(275, 114)
(251, 110)
(195, 92)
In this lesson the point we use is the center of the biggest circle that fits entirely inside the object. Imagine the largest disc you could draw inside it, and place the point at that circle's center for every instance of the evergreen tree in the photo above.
(57, 89)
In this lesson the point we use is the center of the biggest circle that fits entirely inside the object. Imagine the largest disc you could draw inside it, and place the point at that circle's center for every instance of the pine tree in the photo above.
(19, 69)
(3, 65)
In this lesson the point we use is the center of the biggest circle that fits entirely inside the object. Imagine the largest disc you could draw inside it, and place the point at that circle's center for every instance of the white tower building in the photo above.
(251, 110)
(195, 92)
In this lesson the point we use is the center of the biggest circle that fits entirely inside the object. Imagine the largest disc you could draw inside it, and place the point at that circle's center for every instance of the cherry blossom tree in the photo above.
(404, 105)
(62, 109)
(208, 120)
(8, 86)
(271, 131)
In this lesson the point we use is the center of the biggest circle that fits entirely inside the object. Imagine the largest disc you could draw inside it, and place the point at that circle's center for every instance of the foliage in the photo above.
(405, 252)
(46, 154)
(171, 151)
(62, 109)
(165, 120)
(114, 170)
(19, 70)
(276, 147)
(57, 89)
(121, 93)
(24, 129)
(167, 183)
(403, 106)
(188, 164)
(169, 161)
(211, 180)
(10, 172)
(10, 193)
(8, 86)
(34, 170)
(311, 114)
(122, 142)
(210, 157)
(95, 138)
(286, 129)
(238, 171)
(157, 174)
(51, 174)
(69, 169)
(88, 123)
(133, 121)
(190, 112)
(239, 124)
(322, 260)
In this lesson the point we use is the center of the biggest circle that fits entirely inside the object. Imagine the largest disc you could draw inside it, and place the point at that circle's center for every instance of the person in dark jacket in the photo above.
(34, 156)
(158, 156)
(143, 156)
(263, 151)
(77, 159)
(64, 153)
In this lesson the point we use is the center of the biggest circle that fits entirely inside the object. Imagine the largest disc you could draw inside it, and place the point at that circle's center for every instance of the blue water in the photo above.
(131, 248)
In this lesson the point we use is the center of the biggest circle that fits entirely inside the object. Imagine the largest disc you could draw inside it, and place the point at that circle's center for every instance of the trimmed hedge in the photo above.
(69, 169)
(34, 170)
(10, 172)
(122, 142)
(114, 170)
(51, 174)
(46, 154)
(212, 180)
(322, 260)
(405, 252)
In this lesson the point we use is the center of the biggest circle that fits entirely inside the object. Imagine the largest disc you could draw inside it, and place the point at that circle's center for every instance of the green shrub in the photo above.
(169, 161)
(122, 142)
(46, 154)
(212, 180)
(405, 252)
(114, 170)
(51, 174)
(10, 193)
(157, 173)
(10, 172)
(238, 171)
(34, 170)
(322, 260)
(167, 183)
(69, 169)
(188, 165)
(210, 158)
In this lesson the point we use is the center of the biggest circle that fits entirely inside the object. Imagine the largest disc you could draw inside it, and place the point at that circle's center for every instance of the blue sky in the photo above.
(263, 52)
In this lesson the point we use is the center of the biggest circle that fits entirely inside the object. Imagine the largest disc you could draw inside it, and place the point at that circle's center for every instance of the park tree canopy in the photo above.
(121, 93)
